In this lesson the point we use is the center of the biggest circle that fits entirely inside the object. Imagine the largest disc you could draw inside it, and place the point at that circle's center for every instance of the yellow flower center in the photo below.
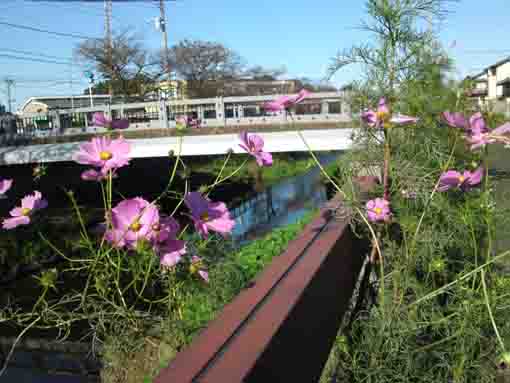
(195, 266)
(105, 156)
(461, 179)
(135, 226)
(382, 116)
(25, 211)
(204, 216)
(378, 210)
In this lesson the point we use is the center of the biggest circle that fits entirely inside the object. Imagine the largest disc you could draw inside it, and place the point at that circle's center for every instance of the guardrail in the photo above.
(281, 329)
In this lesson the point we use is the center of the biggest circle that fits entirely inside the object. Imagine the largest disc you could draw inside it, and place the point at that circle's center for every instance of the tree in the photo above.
(204, 65)
(132, 71)
(317, 86)
(258, 72)
(393, 54)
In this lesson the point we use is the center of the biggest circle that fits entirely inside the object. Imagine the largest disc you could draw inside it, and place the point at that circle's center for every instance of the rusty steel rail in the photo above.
(282, 328)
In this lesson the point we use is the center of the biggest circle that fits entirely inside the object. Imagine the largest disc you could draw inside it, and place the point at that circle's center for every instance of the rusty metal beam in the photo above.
(282, 328)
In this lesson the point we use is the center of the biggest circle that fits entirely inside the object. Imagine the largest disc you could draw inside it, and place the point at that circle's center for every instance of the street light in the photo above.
(90, 75)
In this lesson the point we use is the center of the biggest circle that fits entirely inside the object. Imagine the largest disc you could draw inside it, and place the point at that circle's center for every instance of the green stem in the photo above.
(174, 171)
(146, 275)
(40, 299)
(387, 159)
(316, 160)
(489, 309)
(217, 182)
(460, 279)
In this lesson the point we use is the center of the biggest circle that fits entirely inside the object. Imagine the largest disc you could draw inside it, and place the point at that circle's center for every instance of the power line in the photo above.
(50, 85)
(34, 29)
(35, 54)
(44, 81)
(43, 61)
(83, 8)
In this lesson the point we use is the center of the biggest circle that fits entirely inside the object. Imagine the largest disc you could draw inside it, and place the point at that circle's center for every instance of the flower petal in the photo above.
(402, 119)
(5, 185)
(11, 223)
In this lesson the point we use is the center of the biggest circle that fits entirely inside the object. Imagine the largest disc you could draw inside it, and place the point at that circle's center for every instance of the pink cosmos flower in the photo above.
(133, 220)
(167, 228)
(207, 215)
(171, 252)
(285, 102)
(382, 117)
(104, 153)
(187, 122)
(378, 210)
(21, 215)
(463, 181)
(456, 120)
(480, 138)
(197, 267)
(477, 124)
(254, 145)
(166, 244)
(5, 185)
(472, 126)
(100, 119)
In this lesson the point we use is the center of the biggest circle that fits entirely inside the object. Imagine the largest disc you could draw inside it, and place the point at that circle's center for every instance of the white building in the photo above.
(493, 83)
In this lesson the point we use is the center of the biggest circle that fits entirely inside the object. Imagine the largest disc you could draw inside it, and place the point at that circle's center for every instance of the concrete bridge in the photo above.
(287, 141)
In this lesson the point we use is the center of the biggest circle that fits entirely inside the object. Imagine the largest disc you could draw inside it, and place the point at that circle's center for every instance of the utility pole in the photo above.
(9, 84)
(162, 28)
(108, 40)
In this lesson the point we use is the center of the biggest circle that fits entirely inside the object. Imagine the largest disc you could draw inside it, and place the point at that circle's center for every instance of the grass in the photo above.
(284, 165)
(134, 356)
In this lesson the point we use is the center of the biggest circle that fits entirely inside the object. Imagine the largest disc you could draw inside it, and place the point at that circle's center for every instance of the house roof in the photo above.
(484, 71)
(500, 62)
(477, 76)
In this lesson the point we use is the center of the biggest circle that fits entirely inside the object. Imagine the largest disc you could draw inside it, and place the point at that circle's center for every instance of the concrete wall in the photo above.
(43, 361)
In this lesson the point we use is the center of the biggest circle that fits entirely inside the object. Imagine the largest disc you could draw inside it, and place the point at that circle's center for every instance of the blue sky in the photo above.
(301, 34)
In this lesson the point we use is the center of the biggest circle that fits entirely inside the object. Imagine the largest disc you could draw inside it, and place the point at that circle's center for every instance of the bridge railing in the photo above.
(200, 107)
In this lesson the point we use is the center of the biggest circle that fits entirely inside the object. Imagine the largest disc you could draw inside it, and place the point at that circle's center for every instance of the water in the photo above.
(282, 204)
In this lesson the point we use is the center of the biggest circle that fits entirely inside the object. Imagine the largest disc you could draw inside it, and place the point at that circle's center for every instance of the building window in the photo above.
(251, 111)
(308, 109)
(335, 107)
(229, 112)
(209, 114)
